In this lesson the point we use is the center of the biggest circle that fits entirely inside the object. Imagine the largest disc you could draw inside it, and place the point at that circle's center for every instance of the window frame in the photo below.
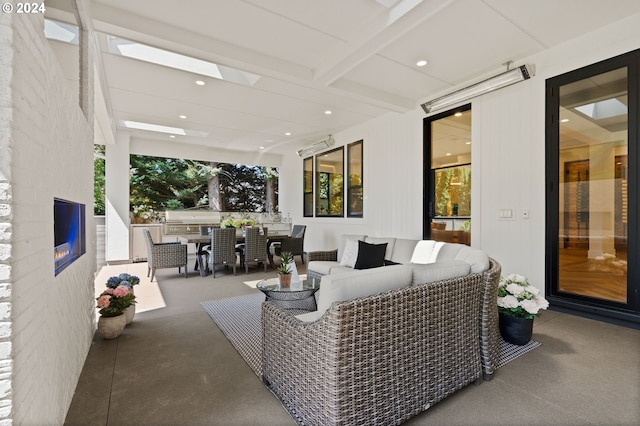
(352, 189)
(318, 186)
(308, 181)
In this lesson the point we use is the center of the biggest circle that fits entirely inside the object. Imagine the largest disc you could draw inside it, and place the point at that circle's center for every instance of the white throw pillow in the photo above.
(350, 253)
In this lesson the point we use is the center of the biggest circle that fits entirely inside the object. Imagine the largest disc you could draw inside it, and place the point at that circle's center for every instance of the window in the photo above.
(330, 183)
(307, 167)
(354, 184)
(447, 168)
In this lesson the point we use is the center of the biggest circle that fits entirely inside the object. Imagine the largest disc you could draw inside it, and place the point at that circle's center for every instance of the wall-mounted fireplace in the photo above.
(69, 233)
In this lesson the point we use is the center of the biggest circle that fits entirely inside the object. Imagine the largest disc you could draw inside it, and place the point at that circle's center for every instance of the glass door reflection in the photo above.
(593, 152)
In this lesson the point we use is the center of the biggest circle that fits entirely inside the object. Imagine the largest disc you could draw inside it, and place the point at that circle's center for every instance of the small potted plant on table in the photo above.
(284, 270)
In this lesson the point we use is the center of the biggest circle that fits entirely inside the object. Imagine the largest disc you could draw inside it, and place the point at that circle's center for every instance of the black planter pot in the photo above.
(514, 330)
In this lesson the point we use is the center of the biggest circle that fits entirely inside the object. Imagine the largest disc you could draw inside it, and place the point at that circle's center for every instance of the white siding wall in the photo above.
(392, 183)
(47, 152)
(508, 156)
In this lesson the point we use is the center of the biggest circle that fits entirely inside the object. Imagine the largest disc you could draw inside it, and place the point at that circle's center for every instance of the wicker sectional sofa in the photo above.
(383, 357)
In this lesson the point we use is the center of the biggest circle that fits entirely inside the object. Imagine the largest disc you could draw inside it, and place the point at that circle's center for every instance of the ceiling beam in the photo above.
(384, 30)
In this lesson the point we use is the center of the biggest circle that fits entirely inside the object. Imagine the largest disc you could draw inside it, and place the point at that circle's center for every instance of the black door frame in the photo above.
(429, 175)
(625, 314)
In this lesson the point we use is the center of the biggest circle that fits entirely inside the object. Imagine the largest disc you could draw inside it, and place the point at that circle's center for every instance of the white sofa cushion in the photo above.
(478, 259)
(403, 250)
(426, 251)
(326, 267)
(360, 283)
(439, 271)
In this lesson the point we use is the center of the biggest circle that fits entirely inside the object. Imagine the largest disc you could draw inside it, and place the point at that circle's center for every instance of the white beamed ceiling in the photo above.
(354, 57)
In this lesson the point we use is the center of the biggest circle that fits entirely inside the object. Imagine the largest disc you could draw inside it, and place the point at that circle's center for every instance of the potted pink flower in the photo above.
(111, 304)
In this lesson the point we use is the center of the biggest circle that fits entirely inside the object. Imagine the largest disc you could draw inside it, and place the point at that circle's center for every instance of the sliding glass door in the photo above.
(592, 152)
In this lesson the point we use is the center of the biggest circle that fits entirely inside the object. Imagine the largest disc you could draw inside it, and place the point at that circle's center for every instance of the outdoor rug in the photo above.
(239, 319)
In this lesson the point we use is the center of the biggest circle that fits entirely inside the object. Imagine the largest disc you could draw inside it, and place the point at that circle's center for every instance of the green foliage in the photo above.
(286, 257)
(98, 180)
(171, 184)
(330, 188)
(453, 186)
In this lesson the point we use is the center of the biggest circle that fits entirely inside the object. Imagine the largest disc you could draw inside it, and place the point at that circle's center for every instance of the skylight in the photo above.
(66, 33)
(143, 52)
(603, 109)
(163, 129)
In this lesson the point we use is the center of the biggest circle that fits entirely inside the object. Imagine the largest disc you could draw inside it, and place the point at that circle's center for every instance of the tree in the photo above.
(165, 183)
(271, 188)
(98, 180)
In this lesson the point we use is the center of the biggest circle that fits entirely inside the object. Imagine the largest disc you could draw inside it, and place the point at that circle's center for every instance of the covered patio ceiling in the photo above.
(292, 72)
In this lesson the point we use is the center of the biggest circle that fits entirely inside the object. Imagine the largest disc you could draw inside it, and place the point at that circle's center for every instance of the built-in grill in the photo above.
(184, 228)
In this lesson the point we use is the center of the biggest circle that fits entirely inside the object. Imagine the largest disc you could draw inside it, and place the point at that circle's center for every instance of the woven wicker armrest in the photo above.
(489, 329)
(328, 255)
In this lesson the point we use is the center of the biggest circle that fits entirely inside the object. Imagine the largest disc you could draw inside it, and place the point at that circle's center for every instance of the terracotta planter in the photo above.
(111, 327)
(285, 280)
(517, 331)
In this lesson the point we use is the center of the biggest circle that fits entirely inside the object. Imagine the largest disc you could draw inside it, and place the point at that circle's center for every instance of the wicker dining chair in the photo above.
(222, 250)
(294, 244)
(255, 248)
(164, 255)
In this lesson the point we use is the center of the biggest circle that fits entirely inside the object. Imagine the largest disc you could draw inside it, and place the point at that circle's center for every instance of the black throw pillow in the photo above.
(370, 255)
(390, 262)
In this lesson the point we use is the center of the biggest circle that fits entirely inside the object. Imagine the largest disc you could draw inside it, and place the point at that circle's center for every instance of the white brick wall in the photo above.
(46, 151)
(6, 59)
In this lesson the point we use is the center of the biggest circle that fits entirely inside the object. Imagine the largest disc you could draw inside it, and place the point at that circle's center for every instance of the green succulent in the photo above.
(286, 257)
(284, 269)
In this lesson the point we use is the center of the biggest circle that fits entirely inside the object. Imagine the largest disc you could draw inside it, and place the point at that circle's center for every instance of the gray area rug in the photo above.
(239, 319)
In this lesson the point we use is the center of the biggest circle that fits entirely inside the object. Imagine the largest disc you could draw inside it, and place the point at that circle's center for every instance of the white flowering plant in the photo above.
(518, 298)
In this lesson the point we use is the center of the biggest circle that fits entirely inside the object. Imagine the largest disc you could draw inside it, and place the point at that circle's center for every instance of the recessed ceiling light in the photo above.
(448, 154)
(458, 114)
(468, 143)
(328, 112)
(421, 63)
(200, 83)
(564, 120)
(182, 116)
(172, 136)
(262, 147)
(288, 134)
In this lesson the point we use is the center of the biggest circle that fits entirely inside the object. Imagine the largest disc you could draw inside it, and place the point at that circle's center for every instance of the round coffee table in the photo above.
(297, 296)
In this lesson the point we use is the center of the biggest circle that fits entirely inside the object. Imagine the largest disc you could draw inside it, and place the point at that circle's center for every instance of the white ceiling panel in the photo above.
(552, 22)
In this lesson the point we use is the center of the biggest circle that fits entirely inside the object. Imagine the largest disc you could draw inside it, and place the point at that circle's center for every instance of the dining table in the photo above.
(202, 240)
